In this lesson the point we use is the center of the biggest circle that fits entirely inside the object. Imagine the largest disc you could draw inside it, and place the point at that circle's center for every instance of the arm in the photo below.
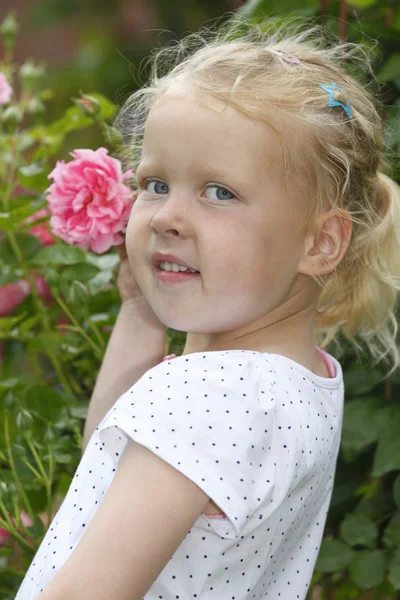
(136, 344)
(145, 515)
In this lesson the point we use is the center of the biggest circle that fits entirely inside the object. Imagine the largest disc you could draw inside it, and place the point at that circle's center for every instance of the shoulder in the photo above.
(241, 368)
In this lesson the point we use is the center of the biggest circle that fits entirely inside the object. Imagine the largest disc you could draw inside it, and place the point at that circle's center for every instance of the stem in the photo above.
(19, 523)
(7, 523)
(21, 260)
(34, 471)
(13, 469)
(97, 334)
(47, 478)
(39, 307)
(10, 180)
(51, 474)
(65, 308)
(38, 461)
(324, 11)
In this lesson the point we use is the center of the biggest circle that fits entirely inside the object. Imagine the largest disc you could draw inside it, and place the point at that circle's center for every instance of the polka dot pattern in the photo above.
(259, 433)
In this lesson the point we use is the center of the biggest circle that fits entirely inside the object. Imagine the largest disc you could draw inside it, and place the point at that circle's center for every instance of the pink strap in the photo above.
(328, 361)
(168, 357)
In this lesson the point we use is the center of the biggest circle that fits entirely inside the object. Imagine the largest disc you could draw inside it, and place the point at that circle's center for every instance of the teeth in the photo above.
(166, 266)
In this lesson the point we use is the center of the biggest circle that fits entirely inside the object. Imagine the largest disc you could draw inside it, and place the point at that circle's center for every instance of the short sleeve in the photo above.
(211, 416)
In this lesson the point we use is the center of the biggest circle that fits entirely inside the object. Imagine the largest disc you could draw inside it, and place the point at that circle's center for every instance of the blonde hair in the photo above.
(343, 163)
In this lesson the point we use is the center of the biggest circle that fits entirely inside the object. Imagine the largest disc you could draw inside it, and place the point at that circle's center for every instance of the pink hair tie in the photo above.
(286, 57)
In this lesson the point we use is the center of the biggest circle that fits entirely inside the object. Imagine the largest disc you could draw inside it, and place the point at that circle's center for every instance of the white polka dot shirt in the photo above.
(259, 433)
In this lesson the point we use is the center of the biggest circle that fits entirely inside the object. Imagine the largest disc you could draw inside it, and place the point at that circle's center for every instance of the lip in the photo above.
(160, 257)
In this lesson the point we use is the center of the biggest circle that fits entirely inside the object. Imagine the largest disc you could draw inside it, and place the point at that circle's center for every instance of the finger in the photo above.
(122, 251)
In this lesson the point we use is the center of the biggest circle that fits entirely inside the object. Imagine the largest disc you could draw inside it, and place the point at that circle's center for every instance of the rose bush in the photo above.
(59, 224)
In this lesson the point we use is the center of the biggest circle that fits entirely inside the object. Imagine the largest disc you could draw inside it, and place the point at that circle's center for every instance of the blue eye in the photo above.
(161, 189)
(221, 193)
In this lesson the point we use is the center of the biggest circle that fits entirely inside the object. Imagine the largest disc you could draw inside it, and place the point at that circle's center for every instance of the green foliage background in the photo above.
(47, 376)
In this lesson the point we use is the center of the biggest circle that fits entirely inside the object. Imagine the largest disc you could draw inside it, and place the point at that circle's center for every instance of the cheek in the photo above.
(135, 232)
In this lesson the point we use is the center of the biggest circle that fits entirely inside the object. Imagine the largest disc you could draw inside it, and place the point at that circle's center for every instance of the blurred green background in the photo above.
(100, 47)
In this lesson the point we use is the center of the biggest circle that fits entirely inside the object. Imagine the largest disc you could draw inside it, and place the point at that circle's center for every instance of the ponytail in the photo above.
(361, 297)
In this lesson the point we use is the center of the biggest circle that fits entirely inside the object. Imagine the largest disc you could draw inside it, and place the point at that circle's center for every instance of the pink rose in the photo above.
(4, 537)
(89, 200)
(6, 90)
(43, 289)
(11, 295)
(41, 231)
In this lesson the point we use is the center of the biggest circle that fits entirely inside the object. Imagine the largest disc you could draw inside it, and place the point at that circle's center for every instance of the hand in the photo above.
(126, 283)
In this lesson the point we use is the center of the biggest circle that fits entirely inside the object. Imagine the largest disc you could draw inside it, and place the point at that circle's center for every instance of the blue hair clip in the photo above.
(331, 89)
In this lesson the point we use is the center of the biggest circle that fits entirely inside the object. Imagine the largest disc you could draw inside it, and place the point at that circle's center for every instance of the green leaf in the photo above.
(79, 412)
(71, 120)
(27, 325)
(45, 342)
(104, 262)
(387, 455)
(73, 117)
(359, 530)
(63, 450)
(34, 176)
(391, 68)
(107, 108)
(28, 244)
(77, 293)
(396, 491)
(7, 386)
(394, 577)
(45, 401)
(82, 272)
(334, 555)
(8, 323)
(59, 254)
(9, 221)
(359, 380)
(98, 283)
(63, 484)
(368, 568)
(391, 536)
(51, 144)
(360, 426)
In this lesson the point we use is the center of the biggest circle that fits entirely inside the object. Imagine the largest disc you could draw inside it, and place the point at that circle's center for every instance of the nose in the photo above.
(172, 216)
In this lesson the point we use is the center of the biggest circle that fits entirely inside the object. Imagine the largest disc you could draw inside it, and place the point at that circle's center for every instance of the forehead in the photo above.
(210, 132)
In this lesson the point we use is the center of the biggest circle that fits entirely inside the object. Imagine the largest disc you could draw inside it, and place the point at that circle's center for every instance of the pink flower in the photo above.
(6, 90)
(11, 295)
(41, 231)
(43, 289)
(89, 200)
(4, 537)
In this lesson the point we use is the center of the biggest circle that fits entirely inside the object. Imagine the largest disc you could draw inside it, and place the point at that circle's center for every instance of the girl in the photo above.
(263, 227)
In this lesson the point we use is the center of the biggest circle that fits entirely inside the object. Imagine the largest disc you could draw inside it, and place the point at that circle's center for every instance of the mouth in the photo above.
(175, 276)
(169, 262)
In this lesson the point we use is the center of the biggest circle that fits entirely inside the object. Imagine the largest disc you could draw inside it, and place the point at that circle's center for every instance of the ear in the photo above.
(325, 248)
